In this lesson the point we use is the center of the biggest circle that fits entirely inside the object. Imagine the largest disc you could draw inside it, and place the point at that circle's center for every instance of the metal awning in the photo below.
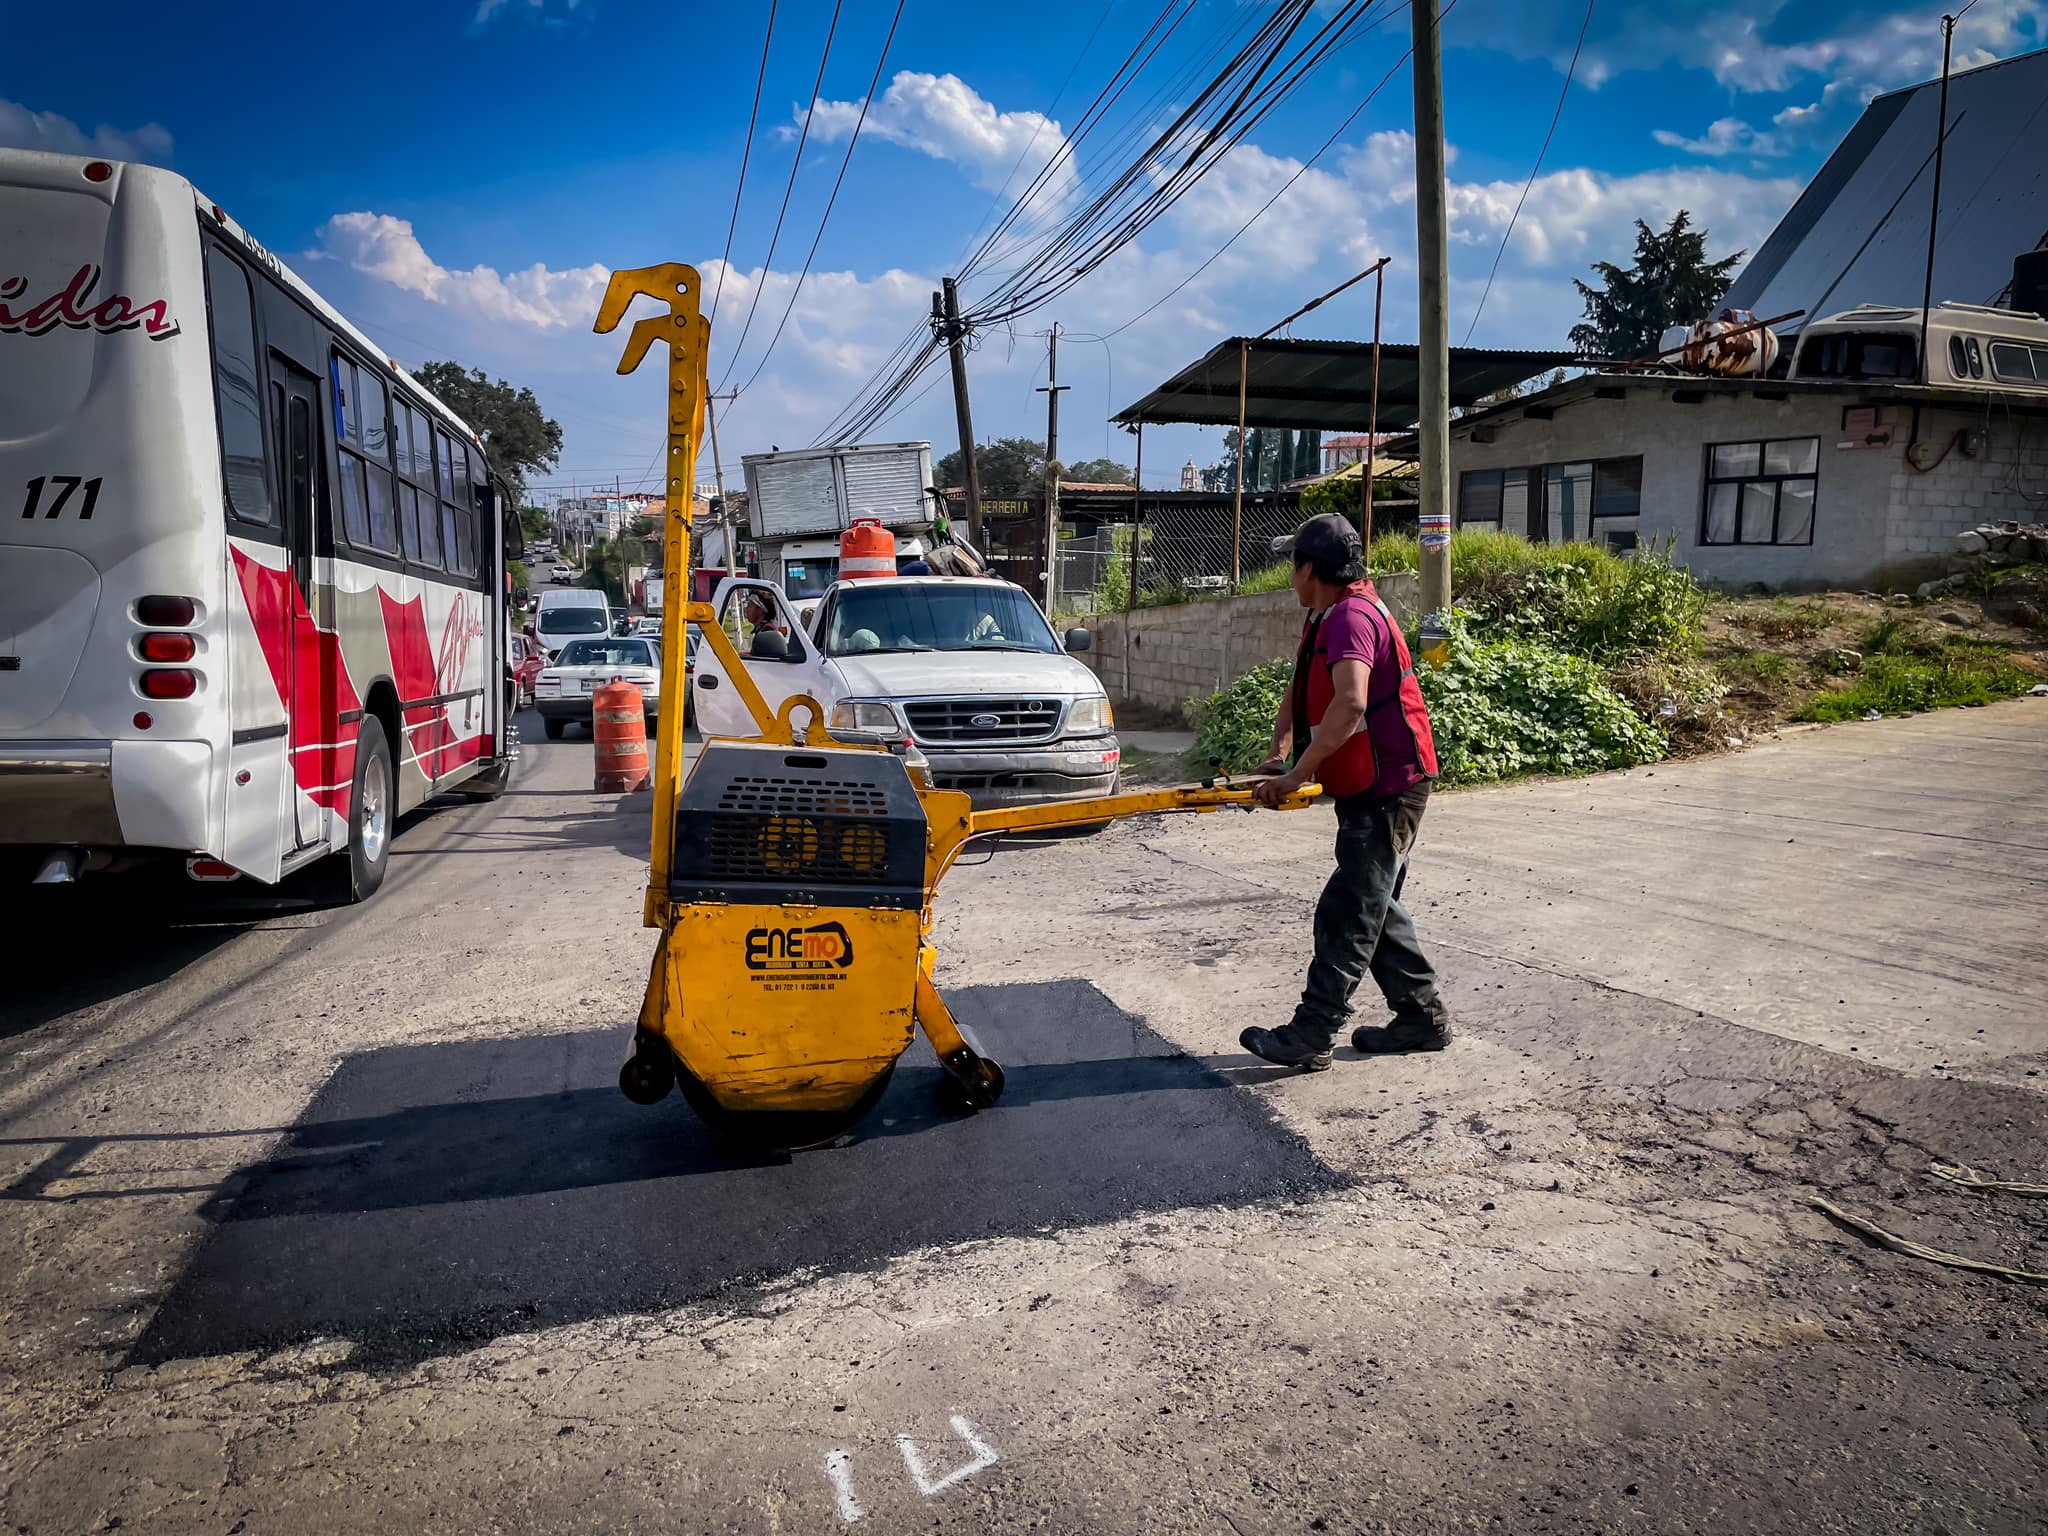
(1325, 384)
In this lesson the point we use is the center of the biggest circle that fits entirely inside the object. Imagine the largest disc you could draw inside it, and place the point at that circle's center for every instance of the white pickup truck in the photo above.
(965, 667)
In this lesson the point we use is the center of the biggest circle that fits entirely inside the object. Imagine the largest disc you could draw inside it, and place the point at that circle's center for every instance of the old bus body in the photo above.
(252, 598)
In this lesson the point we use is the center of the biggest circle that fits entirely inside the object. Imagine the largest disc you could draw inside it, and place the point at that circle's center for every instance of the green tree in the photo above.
(1671, 283)
(1099, 471)
(604, 570)
(1308, 458)
(519, 438)
(1254, 460)
(1011, 468)
(534, 521)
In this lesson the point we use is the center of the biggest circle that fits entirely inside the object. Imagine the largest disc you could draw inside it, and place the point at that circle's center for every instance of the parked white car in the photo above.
(564, 689)
(967, 668)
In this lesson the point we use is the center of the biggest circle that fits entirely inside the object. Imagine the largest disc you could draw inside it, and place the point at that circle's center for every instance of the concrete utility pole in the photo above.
(1051, 391)
(718, 477)
(946, 317)
(1433, 337)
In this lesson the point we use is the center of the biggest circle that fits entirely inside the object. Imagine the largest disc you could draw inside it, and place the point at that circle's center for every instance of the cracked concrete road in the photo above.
(333, 1221)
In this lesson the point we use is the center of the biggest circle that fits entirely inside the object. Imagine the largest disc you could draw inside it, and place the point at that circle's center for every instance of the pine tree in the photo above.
(1671, 283)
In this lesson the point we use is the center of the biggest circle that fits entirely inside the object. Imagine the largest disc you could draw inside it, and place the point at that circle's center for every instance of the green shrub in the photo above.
(1393, 552)
(1501, 707)
(1235, 727)
(1901, 683)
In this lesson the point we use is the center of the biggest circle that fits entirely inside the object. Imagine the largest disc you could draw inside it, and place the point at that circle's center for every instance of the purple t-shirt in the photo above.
(1348, 634)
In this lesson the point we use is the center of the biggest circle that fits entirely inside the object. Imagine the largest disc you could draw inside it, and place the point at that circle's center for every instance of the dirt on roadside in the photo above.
(1778, 656)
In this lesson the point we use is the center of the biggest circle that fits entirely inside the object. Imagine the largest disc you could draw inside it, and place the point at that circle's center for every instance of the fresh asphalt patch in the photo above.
(433, 1196)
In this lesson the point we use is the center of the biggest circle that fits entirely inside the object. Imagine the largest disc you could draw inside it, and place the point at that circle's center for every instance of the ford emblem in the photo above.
(985, 722)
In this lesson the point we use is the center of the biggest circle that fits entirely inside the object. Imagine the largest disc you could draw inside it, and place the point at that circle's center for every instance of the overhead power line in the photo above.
(825, 218)
(725, 262)
(803, 138)
(1570, 70)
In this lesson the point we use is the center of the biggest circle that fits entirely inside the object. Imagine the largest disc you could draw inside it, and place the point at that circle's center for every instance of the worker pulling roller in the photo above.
(792, 875)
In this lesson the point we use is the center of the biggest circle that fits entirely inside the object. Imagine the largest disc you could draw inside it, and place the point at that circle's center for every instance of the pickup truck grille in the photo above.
(983, 722)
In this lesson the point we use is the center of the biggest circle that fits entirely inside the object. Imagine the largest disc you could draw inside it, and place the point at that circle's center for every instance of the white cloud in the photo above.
(21, 128)
(1752, 46)
(387, 249)
(944, 117)
(538, 10)
(1730, 136)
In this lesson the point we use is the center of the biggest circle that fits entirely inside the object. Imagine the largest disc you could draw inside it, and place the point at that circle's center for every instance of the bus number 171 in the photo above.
(65, 485)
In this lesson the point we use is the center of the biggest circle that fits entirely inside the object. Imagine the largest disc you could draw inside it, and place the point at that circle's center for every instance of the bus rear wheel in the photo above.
(372, 811)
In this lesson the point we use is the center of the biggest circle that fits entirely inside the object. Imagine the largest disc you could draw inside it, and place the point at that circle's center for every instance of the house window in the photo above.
(1479, 497)
(1760, 492)
(1595, 499)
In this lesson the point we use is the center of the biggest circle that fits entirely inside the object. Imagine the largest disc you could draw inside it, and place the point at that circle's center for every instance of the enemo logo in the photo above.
(823, 947)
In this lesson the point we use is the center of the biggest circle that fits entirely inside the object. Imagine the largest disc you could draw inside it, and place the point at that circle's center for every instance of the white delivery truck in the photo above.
(802, 499)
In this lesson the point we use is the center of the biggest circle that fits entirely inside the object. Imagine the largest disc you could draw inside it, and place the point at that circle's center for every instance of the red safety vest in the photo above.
(1392, 751)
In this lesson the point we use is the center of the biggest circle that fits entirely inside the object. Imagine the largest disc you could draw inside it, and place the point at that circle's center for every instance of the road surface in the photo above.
(334, 1221)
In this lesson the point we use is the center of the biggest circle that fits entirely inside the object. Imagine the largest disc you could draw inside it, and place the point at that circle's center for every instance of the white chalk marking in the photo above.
(984, 1456)
(839, 1472)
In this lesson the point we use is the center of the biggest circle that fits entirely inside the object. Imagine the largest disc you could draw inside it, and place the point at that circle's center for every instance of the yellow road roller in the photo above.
(792, 874)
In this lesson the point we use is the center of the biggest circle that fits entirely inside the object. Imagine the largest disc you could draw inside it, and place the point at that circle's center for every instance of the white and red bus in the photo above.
(252, 576)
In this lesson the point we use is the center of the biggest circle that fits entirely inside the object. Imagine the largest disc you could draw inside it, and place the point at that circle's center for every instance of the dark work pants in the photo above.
(1361, 925)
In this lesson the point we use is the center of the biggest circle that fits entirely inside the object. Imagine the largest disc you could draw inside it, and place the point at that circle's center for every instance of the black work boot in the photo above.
(1287, 1046)
(1426, 1033)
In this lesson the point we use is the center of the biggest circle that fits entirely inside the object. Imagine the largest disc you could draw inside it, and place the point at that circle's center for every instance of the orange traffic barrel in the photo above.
(866, 549)
(618, 721)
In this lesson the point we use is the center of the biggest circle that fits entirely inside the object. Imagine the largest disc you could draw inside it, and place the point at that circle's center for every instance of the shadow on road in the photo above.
(439, 1194)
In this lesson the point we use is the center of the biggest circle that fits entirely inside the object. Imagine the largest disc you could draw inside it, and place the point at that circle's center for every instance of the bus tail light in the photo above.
(211, 869)
(169, 683)
(98, 170)
(165, 612)
(166, 647)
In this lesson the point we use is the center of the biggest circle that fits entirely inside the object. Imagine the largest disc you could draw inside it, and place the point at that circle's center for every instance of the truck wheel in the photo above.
(372, 811)
(554, 728)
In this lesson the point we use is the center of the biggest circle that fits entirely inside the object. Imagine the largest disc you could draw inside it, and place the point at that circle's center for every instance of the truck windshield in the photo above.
(573, 621)
(935, 617)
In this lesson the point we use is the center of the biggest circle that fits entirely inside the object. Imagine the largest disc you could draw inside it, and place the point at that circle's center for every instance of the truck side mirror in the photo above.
(1078, 640)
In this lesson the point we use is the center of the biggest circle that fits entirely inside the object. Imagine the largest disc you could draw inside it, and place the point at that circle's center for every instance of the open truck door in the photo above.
(781, 658)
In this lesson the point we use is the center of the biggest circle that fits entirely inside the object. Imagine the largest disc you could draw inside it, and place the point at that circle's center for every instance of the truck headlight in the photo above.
(1088, 716)
(864, 715)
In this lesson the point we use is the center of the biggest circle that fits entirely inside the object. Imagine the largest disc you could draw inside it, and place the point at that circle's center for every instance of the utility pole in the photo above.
(1948, 42)
(718, 477)
(1051, 391)
(1433, 334)
(946, 319)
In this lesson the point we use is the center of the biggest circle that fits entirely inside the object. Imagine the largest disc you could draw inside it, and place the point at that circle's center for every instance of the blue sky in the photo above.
(459, 175)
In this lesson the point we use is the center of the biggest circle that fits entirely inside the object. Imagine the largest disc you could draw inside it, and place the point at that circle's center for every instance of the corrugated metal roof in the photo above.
(1858, 234)
(1325, 384)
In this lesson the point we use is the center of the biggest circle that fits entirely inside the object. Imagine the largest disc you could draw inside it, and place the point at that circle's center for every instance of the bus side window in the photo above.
(348, 431)
(235, 381)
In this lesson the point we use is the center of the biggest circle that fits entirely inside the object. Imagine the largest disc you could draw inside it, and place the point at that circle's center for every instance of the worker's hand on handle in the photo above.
(1271, 791)
(1276, 764)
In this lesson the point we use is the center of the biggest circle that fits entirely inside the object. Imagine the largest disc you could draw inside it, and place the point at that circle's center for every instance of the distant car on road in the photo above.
(649, 627)
(563, 691)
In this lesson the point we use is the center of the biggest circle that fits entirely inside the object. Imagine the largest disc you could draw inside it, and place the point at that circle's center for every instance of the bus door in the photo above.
(300, 461)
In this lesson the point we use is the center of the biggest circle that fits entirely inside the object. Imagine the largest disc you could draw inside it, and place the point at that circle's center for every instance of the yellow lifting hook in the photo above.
(792, 879)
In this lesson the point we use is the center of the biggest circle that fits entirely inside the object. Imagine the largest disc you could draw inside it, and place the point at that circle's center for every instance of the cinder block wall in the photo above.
(1163, 657)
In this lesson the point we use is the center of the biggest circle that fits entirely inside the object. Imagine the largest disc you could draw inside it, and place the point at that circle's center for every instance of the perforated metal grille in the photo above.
(775, 795)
